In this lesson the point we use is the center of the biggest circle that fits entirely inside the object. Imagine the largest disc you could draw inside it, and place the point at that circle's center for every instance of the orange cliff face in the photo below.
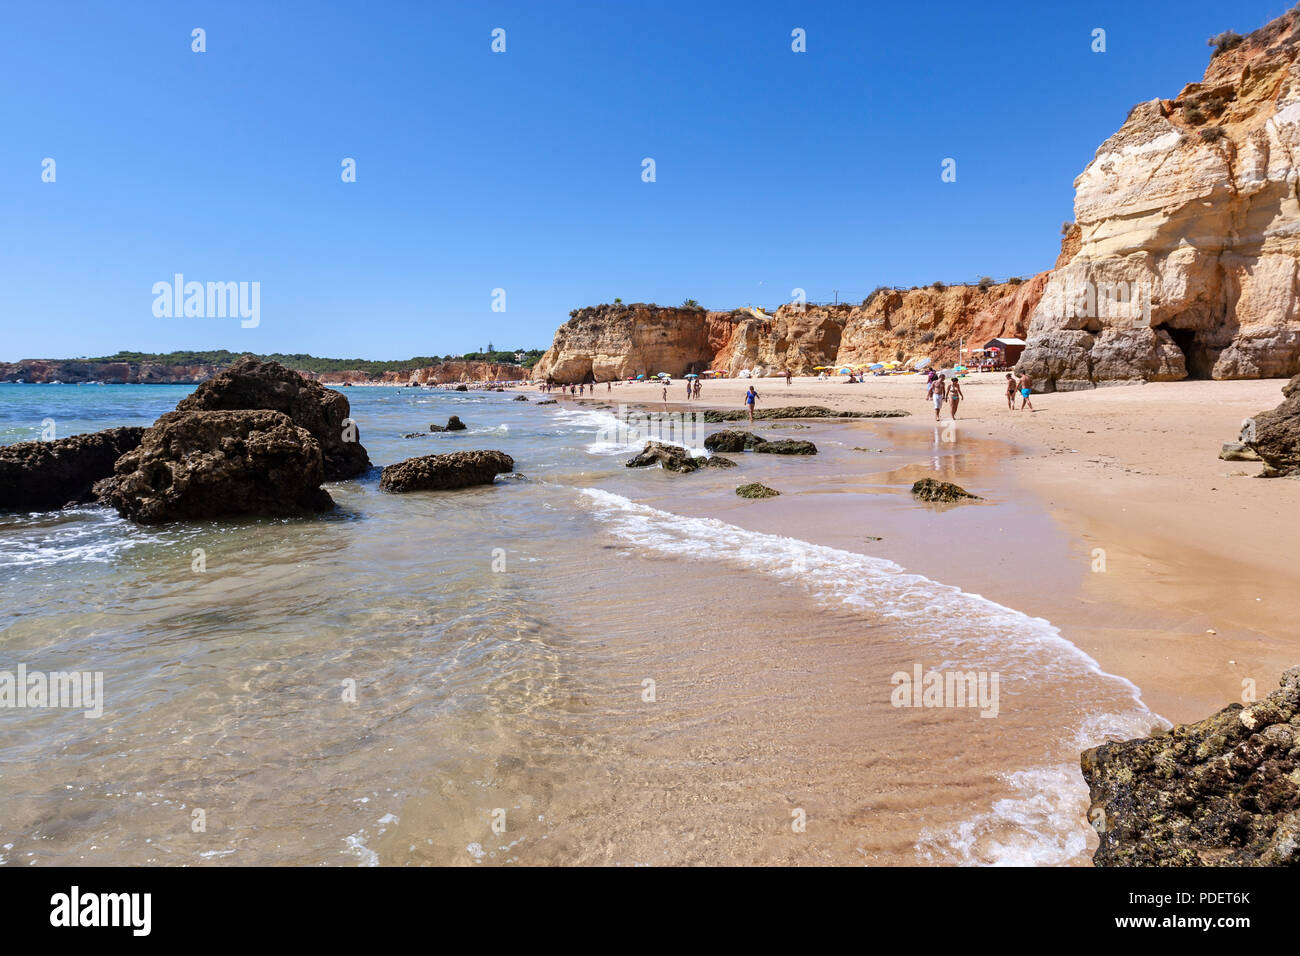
(616, 341)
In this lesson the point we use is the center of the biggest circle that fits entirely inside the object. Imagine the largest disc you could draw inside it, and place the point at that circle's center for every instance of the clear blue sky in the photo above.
(522, 170)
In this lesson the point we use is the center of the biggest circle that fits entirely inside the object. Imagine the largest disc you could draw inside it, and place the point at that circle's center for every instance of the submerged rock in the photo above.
(1276, 435)
(521, 398)
(797, 411)
(755, 490)
(39, 475)
(786, 446)
(549, 401)
(459, 469)
(252, 384)
(454, 424)
(731, 440)
(192, 465)
(928, 489)
(1224, 791)
(714, 461)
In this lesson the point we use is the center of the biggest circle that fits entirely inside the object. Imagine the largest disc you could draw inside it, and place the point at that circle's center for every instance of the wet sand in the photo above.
(1168, 566)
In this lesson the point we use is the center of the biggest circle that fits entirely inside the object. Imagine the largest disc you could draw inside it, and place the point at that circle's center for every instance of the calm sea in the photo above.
(588, 664)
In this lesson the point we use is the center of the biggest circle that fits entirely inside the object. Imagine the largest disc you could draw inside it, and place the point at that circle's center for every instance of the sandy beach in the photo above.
(1166, 564)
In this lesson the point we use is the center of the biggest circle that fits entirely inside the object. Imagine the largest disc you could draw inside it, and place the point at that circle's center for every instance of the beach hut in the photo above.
(1009, 349)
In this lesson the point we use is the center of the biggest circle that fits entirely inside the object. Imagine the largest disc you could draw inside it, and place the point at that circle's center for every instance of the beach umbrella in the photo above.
(845, 370)
(691, 375)
(876, 366)
(639, 377)
(922, 363)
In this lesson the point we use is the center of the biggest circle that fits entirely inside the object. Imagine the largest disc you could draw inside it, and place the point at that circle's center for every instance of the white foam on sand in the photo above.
(1043, 819)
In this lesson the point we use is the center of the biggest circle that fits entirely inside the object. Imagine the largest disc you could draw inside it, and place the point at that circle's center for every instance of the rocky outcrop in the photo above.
(786, 446)
(459, 469)
(1224, 791)
(1275, 437)
(39, 475)
(931, 489)
(254, 384)
(675, 458)
(454, 424)
(209, 464)
(607, 342)
(795, 411)
(755, 490)
(1186, 240)
(731, 440)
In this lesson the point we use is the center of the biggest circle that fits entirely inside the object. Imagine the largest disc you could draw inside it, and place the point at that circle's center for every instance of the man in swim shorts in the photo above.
(1026, 387)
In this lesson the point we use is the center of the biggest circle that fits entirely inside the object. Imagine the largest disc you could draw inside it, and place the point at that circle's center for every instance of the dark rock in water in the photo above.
(521, 398)
(675, 458)
(416, 435)
(928, 489)
(1237, 451)
(671, 457)
(437, 428)
(38, 475)
(732, 440)
(797, 411)
(454, 424)
(193, 465)
(1224, 791)
(1276, 436)
(462, 388)
(549, 401)
(786, 446)
(460, 469)
(755, 490)
(251, 384)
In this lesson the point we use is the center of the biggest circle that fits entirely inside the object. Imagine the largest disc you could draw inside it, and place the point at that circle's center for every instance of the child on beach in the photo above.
(750, 397)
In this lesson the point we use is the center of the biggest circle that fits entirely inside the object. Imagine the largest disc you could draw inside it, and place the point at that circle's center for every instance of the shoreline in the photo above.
(1191, 595)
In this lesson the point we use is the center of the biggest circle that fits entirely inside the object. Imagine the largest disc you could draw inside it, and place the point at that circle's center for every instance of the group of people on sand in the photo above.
(1025, 386)
(575, 391)
(941, 389)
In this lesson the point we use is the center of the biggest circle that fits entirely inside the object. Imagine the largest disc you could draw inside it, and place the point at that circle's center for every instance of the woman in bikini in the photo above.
(954, 397)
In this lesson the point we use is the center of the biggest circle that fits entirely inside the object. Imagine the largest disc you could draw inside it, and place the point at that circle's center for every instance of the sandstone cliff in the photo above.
(617, 341)
(1188, 234)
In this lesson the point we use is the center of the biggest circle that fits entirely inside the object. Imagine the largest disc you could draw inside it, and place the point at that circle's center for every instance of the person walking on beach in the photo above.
(1011, 392)
(936, 392)
(665, 394)
(750, 397)
(954, 397)
(689, 389)
(1026, 386)
(788, 377)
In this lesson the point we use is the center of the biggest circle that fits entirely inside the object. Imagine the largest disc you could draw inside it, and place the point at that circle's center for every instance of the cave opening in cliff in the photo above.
(1195, 355)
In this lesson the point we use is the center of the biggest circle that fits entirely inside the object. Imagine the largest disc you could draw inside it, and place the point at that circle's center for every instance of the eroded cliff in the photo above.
(1188, 234)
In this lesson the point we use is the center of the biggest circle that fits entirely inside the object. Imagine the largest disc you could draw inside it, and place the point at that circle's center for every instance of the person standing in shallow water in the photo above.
(750, 398)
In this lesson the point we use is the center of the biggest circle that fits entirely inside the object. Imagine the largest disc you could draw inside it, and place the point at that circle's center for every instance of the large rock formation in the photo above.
(254, 384)
(38, 475)
(1275, 435)
(459, 469)
(619, 341)
(1224, 791)
(1184, 259)
(192, 465)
